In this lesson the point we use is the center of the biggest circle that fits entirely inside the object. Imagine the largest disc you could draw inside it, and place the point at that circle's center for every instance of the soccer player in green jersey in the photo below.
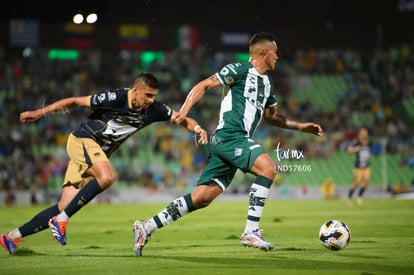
(249, 99)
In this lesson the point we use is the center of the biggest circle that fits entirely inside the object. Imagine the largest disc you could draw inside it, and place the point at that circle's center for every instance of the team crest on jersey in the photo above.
(238, 152)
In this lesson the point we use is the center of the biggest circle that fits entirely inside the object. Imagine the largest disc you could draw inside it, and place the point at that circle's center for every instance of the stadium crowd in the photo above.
(31, 155)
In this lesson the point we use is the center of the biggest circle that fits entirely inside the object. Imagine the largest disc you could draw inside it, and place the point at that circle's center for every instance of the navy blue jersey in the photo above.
(112, 122)
(363, 155)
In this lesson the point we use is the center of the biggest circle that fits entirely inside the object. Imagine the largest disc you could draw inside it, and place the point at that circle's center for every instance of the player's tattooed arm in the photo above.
(195, 95)
(273, 117)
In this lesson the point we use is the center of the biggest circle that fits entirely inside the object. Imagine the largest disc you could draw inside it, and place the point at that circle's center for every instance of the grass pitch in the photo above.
(207, 241)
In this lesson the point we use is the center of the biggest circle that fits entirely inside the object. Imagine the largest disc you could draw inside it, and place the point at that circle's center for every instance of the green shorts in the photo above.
(225, 156)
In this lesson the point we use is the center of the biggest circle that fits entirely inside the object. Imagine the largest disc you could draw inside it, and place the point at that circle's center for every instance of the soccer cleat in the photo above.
(256, 240)
(140, 237)
(58, 230)
(9, 244)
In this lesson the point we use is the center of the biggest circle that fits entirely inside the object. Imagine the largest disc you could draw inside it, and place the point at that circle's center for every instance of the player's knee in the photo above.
(267, 170)
(270, 172)
(106, 180)
(204, 194)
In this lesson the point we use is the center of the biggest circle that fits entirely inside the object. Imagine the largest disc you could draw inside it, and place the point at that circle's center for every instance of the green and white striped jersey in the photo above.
(249, 94)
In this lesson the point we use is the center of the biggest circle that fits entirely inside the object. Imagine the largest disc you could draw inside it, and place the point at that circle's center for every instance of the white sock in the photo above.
(175, 210)
(15, 234)
(62, 217)
(258, 194)
(150, 226)
(250, 226)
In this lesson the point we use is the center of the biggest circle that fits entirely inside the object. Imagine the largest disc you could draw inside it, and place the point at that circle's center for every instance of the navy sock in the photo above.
(39, 222)
(84, 196)
(350, 193)
(361, 192)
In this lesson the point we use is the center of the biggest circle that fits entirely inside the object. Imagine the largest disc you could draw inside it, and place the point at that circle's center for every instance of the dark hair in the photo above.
(260, 36)
(149, 79)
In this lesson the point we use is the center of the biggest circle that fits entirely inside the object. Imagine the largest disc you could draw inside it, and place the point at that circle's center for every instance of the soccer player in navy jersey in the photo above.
(117, 114)
(249, 99)
(362, 170)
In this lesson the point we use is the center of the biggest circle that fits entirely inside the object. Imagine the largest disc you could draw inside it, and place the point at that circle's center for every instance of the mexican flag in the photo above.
(187, 37)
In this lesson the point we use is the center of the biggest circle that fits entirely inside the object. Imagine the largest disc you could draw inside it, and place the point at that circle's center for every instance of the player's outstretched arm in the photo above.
(192, 126)
(310, 127)
(273, 117)
(59, 107)
(353, 149)
(194, 95)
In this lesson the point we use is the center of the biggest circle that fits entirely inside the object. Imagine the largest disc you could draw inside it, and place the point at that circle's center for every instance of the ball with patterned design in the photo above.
(334, 235)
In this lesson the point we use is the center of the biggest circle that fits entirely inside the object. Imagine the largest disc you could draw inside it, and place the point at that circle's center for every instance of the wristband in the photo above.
(196, 128)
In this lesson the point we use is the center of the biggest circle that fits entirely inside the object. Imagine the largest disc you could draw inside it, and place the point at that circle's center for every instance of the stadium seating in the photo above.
(323, 91)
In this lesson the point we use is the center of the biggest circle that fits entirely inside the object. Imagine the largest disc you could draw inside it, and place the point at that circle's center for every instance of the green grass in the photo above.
(206, 242)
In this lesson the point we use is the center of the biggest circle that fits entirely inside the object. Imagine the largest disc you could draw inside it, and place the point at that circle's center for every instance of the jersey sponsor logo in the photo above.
(232, 67)
(259, 106)
(118, 131)
(111, 96)
(363, 156)
(94, 100)
(224, 71)
(254, 96)
(101, 97)
(229, 80)
(169, 110)
(251, 93)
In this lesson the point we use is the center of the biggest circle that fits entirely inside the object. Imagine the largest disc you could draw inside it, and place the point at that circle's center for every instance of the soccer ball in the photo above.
(334, 235)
